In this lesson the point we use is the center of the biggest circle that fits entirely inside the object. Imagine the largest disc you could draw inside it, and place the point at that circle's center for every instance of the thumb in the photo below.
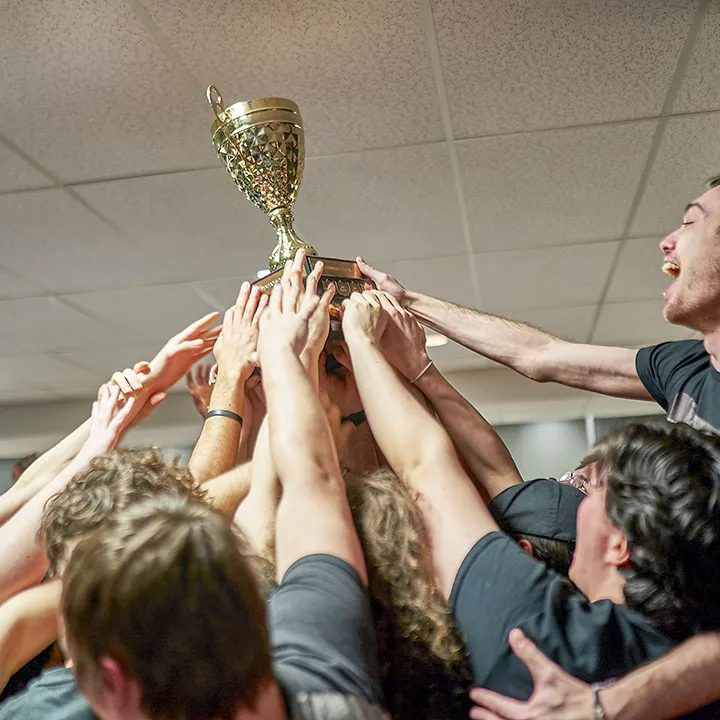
(367, 270)
(528, 653)
(341, 355)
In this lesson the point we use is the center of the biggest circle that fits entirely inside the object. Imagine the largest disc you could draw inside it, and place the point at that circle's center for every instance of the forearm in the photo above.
(514, 344)
(216, 450)
(50, 463)
(227, 491)
(28, 624)
(405, 431)
(485, 454)
(296, 419)
(676, 684)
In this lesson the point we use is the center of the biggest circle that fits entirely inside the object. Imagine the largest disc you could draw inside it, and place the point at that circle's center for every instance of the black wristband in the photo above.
(356, 419)
(224, 413)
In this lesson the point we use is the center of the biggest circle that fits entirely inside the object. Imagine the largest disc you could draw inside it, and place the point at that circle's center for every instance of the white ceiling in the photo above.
(524, 158)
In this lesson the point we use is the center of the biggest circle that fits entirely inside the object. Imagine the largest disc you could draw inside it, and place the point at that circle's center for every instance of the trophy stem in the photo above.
(288, 241)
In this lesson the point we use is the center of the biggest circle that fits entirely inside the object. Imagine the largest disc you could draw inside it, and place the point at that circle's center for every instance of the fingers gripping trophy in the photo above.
(262, 145)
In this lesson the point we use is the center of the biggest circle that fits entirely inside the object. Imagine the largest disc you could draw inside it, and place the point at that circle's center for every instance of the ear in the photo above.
(116, 689)
(526, 545)
(617, 553)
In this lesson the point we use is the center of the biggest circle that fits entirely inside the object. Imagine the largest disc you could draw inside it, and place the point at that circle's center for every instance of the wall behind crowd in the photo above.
(542, 449)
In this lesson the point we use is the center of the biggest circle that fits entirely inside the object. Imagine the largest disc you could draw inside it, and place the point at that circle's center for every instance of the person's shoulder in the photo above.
(53, 694)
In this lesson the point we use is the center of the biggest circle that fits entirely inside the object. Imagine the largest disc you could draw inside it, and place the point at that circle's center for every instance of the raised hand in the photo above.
(556, 695)
(236, 347)
(319, 324)
(181, 352)
(364, 317)
(133, 381)
(198, 382)
(288, 319)
(383, 281)
(403, 342)
(110, 418)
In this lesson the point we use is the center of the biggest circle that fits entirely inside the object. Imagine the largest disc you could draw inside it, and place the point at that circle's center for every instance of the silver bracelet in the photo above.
(598, 710)
(422, 372)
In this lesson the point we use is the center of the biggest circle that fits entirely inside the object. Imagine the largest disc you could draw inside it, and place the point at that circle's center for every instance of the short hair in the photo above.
(166, 591)
(663, 493)
(107, 486)
(23, 464)
(556, 554)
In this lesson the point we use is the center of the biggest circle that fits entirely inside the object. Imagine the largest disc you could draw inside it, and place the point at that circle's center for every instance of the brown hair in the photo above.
(166, 591)
(424, 667)
(110, 484)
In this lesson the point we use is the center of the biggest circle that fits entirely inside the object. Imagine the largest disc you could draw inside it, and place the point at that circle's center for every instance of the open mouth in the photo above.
(670, 268)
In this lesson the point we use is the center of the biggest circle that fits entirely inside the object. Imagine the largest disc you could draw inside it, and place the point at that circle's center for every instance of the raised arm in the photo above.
(217, 448)
(23, 562)
(414, 443)
(313, 515)
(672, 686)
(526, 349)
(485, 454)
(28, 624)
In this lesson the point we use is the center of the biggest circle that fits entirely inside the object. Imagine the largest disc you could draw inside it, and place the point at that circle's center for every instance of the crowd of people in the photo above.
(351, 539)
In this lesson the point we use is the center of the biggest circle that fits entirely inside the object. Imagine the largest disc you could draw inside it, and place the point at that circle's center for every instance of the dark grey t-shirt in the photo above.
(322, 640)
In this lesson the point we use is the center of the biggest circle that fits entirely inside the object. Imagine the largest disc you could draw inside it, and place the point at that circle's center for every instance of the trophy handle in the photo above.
(216, 103)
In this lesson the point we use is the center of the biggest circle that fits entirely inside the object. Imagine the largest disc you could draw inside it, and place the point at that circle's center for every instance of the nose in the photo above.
(667, 244)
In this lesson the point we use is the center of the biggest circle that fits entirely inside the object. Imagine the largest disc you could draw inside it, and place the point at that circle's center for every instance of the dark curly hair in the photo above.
(107, 486)
(663, 493)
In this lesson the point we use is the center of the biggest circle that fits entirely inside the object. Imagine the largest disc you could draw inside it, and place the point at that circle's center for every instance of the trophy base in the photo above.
(344, 274)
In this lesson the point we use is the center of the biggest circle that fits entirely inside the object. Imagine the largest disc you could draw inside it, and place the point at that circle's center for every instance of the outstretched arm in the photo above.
(522, 347)
(217, 448)
(485, 454)
(313, 515)
(23, 562)
(674, 685)
(414, 443)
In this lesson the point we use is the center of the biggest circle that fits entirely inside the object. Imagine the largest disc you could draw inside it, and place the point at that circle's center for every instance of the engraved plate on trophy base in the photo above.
(344, 274)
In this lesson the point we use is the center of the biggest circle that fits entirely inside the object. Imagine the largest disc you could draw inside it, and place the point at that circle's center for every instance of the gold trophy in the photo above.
(262, 145)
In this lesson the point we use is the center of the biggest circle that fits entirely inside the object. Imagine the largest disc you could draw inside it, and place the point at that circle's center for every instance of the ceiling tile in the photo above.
(543, 411)
(39, 372)
(197, 223)
(516, 65)
(148, 314)
(17, 174)
(688, 156)
(552, 188)
(96, 97)
(699, 89)
(52, 239)
(102, 363)
(447, 278)
(221, 294)
(46, 325)
(635, 323)
(570, 323)
(12, 286)
(359, 71)
(545, 278)
(607, 407)
(638, 275)
(386, 204)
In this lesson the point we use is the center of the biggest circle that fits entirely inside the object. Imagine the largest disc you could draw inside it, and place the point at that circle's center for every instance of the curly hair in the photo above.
(424, 666)
(107, 486)
(663, 493)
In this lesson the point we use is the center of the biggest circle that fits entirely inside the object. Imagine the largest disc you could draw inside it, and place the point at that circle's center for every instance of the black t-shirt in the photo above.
(499, 587)
(323, 646)
(681, 378)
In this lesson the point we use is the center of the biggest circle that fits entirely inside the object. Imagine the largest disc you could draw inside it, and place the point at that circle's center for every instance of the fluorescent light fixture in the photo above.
(434, 339)
(262, 273)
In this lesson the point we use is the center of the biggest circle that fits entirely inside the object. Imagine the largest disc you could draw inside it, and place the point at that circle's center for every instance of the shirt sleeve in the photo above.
(321, 630)
(663, 368)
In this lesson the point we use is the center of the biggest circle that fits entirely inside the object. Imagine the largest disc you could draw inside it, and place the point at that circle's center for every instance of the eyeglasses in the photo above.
(577, 479)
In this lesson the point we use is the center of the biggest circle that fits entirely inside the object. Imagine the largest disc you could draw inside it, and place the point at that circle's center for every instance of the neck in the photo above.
(712, 347)
(269, 704)
(609, 588)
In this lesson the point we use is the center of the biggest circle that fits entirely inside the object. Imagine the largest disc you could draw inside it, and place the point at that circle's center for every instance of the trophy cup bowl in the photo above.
(262, 145)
